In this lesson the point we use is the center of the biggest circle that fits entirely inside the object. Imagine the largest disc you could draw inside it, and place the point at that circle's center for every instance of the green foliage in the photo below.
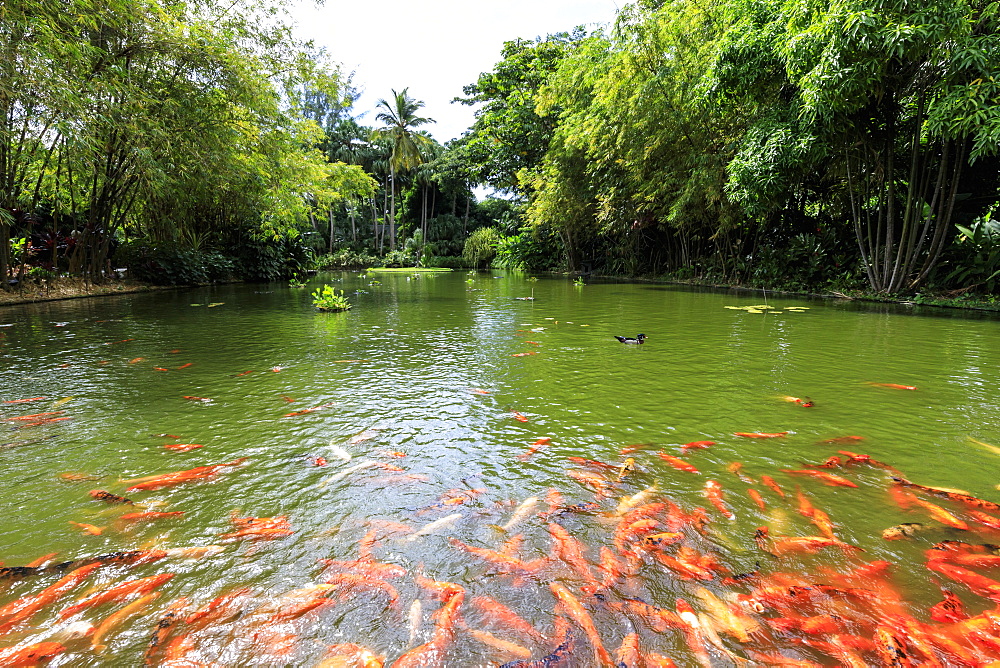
(481, 246)
(296, 282)
(327, 299)
(167, 263)
(973, 260)
(531, 249)
(346, 258)
(578, 282)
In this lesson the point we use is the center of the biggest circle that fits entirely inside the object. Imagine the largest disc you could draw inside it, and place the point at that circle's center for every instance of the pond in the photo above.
(422, 445)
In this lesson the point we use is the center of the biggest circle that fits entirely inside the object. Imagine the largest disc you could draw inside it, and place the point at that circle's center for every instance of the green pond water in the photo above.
(396, 374)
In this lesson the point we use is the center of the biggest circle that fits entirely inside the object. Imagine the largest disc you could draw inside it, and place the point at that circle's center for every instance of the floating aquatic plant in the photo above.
(327, 299)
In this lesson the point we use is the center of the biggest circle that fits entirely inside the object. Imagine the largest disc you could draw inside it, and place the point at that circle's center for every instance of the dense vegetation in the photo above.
(803, 145)
(790, 144)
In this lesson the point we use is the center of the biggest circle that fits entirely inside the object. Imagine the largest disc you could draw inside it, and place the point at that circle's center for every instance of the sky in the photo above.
(434, 47)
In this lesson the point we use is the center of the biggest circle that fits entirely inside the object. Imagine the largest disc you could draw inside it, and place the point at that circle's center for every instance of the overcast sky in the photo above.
(434, 47)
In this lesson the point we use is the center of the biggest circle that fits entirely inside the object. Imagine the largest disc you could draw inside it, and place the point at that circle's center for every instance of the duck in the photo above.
(639, 338)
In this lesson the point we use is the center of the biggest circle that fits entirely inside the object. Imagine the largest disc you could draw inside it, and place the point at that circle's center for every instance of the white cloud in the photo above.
(434, 47)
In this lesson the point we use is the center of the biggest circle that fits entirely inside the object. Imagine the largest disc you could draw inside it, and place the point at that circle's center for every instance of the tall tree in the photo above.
(401, 120)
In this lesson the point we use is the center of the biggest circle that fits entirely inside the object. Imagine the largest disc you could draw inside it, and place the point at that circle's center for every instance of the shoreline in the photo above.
(68, 288)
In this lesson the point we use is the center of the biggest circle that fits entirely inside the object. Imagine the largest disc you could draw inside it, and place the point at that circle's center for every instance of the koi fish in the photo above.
(182, 447)
(148, 516)
(992, 448)
(905, 530)
(599, 484)
(503, 617)
(841, 440)
(757, 434)
(339, 452)
(346, 655)
(23, 401)
(893, 386)
(33, 416)
(101, 495)
(25, 608)
(826, 478)
(696, 444)
(178, 477)
(304, 411)
(525, 354)
(168, 620)
(806, 508)
(523, 511)
(713, 491)
(578, 614)
(781, 545)
(89, 528)
(204, 400)
(949, 610)
(940, 514)
(117, 593)
(519, 416)
(117, 618)
(805, 403)
(135, 360)
(367, 464)
(184, 366)
(677, 463)
(953, 494)
(985, 519)
(757, 498)
(627, 503)
(29, 655)
(535, 447)
(245, 373)
(163, 436)
(478, 391)
(433, 526)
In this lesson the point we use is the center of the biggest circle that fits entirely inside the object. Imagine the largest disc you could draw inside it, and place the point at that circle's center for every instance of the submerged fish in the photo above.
(894, 386)
(433, 526)
(101, 495)
(905, 530)
(757, 434)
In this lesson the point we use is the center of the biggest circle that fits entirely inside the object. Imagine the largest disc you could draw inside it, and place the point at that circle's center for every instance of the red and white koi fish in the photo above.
(519, 416)
(182, 447)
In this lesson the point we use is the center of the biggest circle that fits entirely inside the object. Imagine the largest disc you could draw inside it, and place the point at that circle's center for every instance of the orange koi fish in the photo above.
(519, 416)
(784, 544)
(178, 477)
(525, 354)
(499, 559)
(117, 593)
(696, 444)
(691, 630)
(168, 620)
(713, 491)
(349, 655)
(23, 401)
(184, 366)
(182, 447)
(204, 400)
(965, 499)
(148, 516)
(768, 481)
(677, 463)
(811, 625)
(629, 655)
(757, 498)
(122, 341)
(432, 653)
(579, 614)
(535, 447)
(756, 434)
(245, 373)
(218, 609)
(940, 514)
(841, 440)
(366, 567)
(159, 368)
(310, 410)
(599, 484)
(806, 508)
(89, 528)
(951, 609)
(503, 617)
(40, 561)
(112, 622)
(101, 495)
(478, 391)
(33, 416)
(823, 523)
(570, 551)
(826, 478)
(893, 386)
(29, 655)
(805, 403)
(135, 360)
(985, 519)
(353, 580)
(23, 609)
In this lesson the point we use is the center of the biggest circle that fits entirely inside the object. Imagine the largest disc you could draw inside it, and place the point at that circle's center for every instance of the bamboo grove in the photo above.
(163, 120)
(800, 143)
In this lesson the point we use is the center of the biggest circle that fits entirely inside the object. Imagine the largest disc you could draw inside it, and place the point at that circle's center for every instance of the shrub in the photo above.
(481, 246)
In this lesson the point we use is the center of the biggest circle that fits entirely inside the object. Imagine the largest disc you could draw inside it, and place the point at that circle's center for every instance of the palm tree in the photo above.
(400, 120)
